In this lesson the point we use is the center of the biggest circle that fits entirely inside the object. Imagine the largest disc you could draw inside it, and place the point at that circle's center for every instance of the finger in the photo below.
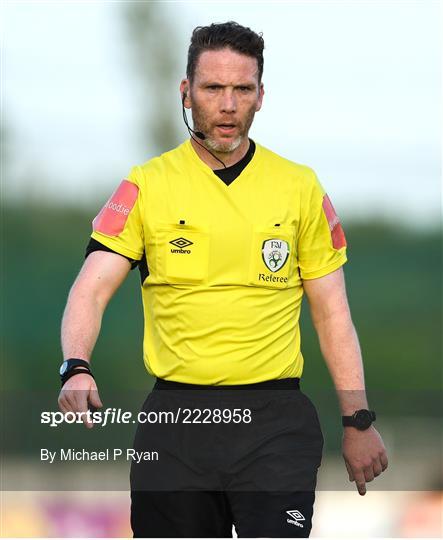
(360, 482)
(68, 401)
(78, 404)
(377, 467)
(94, 399)
(369, 473)
(82, 408)
(349, 468)
(86, 420)
(75, 399)
(78, 400)
(384, 461)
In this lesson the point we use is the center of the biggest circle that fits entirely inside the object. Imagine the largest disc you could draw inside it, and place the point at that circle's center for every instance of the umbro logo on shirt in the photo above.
(296, 516)
(181, 243)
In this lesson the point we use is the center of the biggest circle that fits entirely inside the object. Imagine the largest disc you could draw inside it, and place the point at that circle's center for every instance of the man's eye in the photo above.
(213, 87)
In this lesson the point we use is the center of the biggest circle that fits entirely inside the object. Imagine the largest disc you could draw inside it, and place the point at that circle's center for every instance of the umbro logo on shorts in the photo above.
(296, 517)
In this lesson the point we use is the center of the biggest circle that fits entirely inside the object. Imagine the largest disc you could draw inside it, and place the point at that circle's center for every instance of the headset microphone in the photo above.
(198, 134)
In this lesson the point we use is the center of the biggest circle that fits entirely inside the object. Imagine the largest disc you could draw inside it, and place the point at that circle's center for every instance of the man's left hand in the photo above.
(364, 454)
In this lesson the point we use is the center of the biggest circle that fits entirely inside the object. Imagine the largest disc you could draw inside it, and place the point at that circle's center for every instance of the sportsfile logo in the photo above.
(181, 243)
(296, 517)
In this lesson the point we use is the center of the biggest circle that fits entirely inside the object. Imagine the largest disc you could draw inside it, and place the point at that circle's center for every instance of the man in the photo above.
(228, 236)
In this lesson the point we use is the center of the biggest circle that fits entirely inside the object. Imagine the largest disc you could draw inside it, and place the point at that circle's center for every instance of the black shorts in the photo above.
(235, 455)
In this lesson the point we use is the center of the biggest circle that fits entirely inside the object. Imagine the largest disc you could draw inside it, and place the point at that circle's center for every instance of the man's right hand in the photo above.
(101, 275)
(77, 394)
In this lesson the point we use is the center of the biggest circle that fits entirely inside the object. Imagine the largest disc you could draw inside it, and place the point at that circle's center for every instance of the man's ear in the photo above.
(184, 91)
(261, 93)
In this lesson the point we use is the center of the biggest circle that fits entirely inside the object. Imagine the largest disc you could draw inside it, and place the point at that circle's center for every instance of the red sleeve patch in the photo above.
(111, 219)
(337, 233)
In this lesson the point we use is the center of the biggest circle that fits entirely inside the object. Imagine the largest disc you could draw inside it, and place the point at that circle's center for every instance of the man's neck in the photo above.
(228, 158)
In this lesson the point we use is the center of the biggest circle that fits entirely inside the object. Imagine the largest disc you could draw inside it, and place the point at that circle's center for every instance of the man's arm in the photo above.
(101, 275)
(363, 451)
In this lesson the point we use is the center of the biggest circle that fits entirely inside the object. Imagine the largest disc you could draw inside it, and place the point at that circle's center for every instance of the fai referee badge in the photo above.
(275, 253)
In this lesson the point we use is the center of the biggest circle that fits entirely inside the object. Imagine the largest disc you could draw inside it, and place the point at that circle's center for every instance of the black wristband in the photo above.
(75, 371)
(361, 419)
(72, 363)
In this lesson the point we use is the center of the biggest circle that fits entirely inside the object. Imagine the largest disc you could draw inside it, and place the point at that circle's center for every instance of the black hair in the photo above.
(220, 35)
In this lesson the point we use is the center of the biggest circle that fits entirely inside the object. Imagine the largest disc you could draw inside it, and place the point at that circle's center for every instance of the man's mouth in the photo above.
(226, 128)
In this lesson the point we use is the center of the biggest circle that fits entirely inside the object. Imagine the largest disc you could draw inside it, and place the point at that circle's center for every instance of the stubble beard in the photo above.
(223, 148)
(202, 124)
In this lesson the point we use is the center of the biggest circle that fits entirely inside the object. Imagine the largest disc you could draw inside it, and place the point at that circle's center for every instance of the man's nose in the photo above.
(228, 101)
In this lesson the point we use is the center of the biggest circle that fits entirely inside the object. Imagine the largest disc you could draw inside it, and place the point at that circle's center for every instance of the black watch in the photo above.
(361, 419)
(72, 363)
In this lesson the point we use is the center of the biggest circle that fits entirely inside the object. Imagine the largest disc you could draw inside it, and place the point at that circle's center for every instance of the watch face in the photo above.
(63, 367)
(363, 419)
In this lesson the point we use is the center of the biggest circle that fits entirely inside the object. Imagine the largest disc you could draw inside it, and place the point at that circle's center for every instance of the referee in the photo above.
(227, 236)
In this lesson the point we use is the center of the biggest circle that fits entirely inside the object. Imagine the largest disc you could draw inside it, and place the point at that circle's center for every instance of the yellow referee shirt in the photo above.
(223, 296)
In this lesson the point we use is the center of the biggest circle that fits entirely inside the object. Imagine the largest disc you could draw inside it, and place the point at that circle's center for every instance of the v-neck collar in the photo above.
(229, 174)
(250, 167)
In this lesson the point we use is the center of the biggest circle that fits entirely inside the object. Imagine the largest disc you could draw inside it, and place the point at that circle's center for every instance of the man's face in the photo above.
(225, 95)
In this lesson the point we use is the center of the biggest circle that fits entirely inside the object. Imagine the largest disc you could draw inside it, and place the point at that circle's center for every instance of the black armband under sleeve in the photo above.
(94, 245)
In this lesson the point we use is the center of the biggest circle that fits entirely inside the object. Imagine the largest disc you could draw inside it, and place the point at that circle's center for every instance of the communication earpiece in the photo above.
(198, 134)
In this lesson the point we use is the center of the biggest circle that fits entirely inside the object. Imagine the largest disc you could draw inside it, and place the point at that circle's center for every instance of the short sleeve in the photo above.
(119, 224)
(321, 242)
